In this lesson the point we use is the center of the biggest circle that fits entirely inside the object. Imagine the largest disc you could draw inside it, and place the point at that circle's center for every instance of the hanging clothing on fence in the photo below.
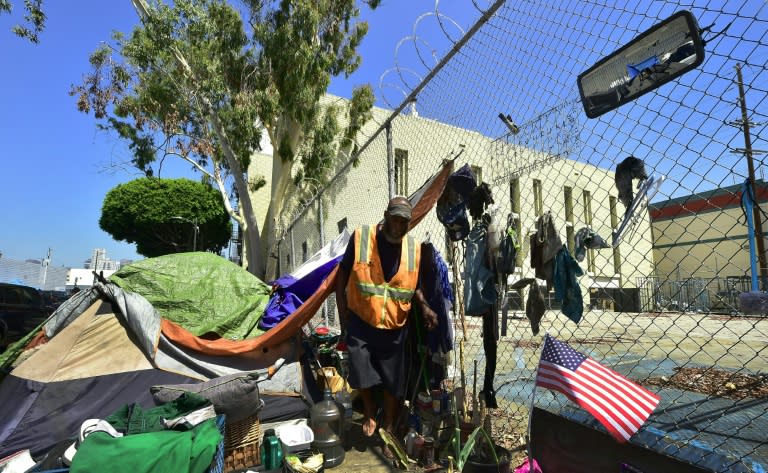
(630, 168)
(567, 289)
(440, 339)
(506, 261)
(545, 244)
(451, 207)
(479, 287)
(534, 305)
(585, 239)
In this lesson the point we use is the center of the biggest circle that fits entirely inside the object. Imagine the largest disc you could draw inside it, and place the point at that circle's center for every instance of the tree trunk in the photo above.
(253, 259)
(281, 179)
(286, 132)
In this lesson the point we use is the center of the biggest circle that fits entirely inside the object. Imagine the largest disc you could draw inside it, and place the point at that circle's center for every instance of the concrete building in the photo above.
(99, 261)
(700, 247)
(524, 182)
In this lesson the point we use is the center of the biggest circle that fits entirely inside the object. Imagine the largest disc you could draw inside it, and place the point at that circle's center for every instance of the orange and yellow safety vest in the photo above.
(382, 304)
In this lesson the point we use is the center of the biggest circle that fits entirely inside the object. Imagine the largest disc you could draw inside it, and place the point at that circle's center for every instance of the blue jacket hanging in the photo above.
(567, 289)
(479, 287)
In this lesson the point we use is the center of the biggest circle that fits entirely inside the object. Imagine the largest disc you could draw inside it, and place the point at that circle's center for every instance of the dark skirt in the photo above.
(376, 356)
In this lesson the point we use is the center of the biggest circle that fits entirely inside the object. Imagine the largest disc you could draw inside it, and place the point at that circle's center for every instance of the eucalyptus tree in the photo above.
(196, 81)
(34, 18)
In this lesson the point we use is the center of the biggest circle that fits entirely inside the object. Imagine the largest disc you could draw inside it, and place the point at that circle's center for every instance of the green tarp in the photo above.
(202, 292)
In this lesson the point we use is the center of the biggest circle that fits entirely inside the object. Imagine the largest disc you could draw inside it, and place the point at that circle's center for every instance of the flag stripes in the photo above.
(619, 404)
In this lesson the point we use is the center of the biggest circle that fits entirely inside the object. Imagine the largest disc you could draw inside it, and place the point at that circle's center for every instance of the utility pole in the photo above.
(46, 263)
(751, 168)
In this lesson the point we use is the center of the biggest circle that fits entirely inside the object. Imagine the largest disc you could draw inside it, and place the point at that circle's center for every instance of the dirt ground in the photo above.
(715, 382)
(364, 455)
(709, 354)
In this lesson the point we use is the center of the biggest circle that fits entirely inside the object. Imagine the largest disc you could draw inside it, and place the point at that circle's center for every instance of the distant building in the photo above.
(701, 250)
(99, 261)
(703, 235)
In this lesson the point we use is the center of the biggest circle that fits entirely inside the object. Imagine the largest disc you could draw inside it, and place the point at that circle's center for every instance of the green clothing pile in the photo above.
(147, 445)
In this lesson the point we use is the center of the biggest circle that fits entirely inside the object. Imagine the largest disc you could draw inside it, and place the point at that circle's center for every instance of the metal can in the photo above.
(428, 457)
(437, 397)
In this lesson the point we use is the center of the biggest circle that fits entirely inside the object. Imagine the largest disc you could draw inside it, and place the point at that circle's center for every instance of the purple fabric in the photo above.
(290, 293)
(281, 305)
(525, 467)
(306, 286)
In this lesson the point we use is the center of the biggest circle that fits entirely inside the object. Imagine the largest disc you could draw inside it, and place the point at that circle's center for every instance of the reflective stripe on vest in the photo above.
(377, 302)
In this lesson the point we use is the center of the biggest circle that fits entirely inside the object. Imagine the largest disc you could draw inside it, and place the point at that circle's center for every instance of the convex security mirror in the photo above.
(664, 52)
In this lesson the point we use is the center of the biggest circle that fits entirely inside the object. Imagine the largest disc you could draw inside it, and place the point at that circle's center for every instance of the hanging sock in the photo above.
(587, 238)
(534, 305)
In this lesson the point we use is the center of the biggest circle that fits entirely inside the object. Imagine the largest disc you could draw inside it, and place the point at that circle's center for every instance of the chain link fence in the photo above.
(662, 306)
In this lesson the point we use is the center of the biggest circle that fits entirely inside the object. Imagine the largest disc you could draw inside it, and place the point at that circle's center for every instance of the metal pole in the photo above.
(322, 243)
(390, 161)
(751, 168)
(194, 238)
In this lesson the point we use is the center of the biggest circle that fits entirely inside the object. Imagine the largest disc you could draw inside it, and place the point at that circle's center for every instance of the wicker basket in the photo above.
(241, 444)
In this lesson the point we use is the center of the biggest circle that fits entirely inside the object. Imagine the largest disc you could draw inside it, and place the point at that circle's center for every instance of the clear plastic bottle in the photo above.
(409, 441)
(325, 420)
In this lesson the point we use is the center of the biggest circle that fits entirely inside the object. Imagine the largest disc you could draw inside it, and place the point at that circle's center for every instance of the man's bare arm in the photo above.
(342, 276)
(430, 317)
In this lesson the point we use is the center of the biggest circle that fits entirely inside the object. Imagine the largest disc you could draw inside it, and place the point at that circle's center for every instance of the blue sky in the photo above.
(56, 164)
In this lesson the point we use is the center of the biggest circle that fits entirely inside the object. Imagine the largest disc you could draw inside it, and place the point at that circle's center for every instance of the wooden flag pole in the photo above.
(530, 413)
(458, 295)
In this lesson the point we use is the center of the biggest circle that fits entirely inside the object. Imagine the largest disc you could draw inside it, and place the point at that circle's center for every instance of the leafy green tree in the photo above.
(35, 19)
(163, 216)
(195, 81)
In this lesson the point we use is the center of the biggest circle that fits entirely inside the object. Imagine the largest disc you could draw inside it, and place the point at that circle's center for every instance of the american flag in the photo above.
(619, 404)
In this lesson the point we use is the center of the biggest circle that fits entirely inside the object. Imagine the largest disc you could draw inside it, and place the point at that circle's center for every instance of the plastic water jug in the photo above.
(325, 420)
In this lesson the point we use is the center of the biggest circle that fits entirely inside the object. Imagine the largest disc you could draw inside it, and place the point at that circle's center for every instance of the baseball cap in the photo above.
(400, 207)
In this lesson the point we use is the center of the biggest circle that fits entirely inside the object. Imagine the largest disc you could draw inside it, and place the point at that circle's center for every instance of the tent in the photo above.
(169, 320)
(105, 349)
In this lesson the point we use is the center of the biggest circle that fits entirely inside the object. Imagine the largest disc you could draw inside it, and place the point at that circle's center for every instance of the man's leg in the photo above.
(391, 410)
(369, 412)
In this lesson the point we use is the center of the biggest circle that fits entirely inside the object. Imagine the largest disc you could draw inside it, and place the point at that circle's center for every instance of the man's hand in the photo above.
(430, 317)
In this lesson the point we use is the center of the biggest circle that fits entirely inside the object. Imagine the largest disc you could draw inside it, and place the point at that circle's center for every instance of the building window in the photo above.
(304, 251)
(514, 198)
(514, 195)
(401, 171)
(478, 172)
(538, 205)
(614, 225)
(588, 222)
(342, 224)
(568, 200)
